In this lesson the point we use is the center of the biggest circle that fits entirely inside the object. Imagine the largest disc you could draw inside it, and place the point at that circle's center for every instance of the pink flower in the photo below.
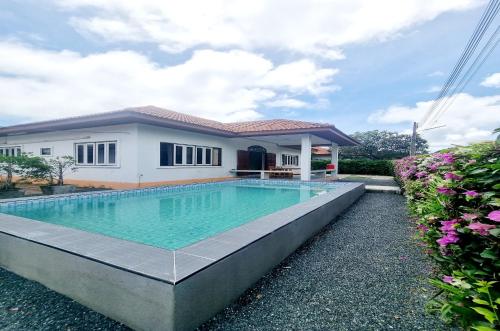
(452, 176)
(421, 174)
(471, 194)
(450, 238)
(446, 191)
(471, 161)
(446, 157)
(481, 228)
(433, 167)
(469, 217)
(448, 279)
(448, 225)
(422, 227)
(494, 216)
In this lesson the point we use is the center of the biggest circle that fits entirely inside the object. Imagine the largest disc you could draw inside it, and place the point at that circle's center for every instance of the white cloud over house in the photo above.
(224, 85)
(469, 119)
(314, 27)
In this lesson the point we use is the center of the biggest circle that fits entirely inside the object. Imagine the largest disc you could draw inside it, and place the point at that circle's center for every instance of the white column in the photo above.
(335, 159)
(305, 158)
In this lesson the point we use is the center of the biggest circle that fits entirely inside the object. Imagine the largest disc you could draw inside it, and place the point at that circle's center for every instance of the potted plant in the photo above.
(56, 169)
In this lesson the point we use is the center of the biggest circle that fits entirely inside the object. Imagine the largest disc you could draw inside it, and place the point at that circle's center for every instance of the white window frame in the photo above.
(184, 153)
(16, 149)
(50, 151)
(202, 155)
(208, 151)
(290, 160)
(95, 146)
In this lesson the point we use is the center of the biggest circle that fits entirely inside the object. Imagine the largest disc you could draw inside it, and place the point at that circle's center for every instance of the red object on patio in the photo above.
(330, 166)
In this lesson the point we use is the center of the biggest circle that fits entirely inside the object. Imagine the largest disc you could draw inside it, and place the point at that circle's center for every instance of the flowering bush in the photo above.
(455, 199)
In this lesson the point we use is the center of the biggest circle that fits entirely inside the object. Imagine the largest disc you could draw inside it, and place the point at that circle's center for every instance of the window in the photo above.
(166, 154)
(199, 155)
(186, 155)
(289, 160)
(90, 153)
(189, 155)
(98, 153)
(10, 151)
(112, 153)
(101, 152)
(217, 157)
(208, 156)
(46, 151)
(178, 155)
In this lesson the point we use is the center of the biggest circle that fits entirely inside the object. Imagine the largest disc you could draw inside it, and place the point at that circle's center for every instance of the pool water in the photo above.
(171, 219)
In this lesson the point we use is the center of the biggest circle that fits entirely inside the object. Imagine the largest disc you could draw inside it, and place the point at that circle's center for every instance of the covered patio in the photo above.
(301, 140)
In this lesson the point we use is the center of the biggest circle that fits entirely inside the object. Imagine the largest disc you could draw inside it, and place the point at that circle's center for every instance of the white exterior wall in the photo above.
(138, 152)
(149, 138)
(62, 143)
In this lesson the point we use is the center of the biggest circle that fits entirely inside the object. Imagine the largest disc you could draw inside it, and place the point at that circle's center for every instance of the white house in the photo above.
(153, 146)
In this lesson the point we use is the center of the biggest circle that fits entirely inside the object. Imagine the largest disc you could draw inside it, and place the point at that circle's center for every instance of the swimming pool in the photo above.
(165, 258)
(170, 217)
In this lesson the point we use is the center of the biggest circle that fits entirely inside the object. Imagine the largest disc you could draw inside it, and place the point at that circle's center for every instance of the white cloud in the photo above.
(437, 73)
(492, 80)
(224, 85)
(287, 103)
(433, 89)
(316, 27)
(469, 119)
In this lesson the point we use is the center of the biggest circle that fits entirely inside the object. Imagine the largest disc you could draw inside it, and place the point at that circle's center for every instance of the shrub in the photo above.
(319, 164)
(366, 167)
(454, 198)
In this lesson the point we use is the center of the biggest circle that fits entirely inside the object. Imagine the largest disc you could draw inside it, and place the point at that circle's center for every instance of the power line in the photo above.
(483, 24)
(483, 55)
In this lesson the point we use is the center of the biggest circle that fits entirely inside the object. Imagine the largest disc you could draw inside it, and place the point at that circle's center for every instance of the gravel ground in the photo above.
(362, 272)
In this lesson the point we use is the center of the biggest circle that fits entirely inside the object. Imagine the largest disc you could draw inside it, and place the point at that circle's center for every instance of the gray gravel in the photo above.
(363, 272)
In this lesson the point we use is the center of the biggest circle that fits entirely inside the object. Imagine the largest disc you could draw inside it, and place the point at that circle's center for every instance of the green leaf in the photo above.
(489, 254)
(482, 328)
(488, 314)
(480, 301)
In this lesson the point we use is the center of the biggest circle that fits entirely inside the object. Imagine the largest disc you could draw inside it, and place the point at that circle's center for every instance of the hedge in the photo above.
(454, 198)
(359, 167)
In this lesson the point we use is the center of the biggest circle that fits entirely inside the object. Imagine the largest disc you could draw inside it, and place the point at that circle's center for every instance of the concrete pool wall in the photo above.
(149, 288)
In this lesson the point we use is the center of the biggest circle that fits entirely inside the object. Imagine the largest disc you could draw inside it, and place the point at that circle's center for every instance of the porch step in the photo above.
(383, 189)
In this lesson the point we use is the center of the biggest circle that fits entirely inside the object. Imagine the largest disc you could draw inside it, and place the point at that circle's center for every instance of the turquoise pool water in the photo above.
(171, 218)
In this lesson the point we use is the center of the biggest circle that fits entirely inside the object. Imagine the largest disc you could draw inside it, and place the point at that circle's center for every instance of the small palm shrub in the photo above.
(454, 197)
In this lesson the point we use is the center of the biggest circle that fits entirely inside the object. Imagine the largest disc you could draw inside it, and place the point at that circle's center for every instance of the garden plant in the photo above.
(454, 198)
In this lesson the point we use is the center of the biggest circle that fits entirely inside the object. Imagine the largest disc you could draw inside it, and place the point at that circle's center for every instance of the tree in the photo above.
(40, 169)
(10, 165)
(380, 145)
(59, 166)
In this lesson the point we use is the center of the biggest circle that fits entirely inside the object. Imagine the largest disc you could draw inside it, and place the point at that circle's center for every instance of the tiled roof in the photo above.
(321, 151)
(235, 127)
(176, 116)
(272, 125)
(156, 115)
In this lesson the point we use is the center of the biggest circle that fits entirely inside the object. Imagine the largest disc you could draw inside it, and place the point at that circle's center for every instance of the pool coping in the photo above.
(168, 266)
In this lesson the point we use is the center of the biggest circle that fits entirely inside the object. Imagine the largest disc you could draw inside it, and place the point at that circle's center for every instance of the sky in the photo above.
(358, 64)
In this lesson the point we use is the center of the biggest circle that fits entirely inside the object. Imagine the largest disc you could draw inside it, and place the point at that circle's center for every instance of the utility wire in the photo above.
(483, 24)
(483, 55)
(485, 21)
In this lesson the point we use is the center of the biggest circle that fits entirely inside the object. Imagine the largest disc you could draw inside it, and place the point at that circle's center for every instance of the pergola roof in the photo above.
(167, 118)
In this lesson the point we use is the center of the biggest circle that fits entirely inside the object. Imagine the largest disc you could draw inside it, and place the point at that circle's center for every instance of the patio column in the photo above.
(305, 158)
(335, 159)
